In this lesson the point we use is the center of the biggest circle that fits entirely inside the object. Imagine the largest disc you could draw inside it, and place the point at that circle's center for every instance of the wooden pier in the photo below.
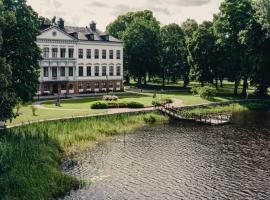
(208, 119)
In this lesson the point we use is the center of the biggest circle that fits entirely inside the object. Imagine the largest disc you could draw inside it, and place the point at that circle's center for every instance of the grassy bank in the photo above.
(229, 108)
(30, 156)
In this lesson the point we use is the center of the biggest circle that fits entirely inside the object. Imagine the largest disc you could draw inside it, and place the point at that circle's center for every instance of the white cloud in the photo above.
(81, 12)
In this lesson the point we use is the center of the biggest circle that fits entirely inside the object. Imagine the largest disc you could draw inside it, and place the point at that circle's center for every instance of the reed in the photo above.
(30, 156)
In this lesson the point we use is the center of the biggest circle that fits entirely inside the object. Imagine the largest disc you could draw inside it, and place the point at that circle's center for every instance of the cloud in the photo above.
(99, 5)
(184, 3)
(57, 4)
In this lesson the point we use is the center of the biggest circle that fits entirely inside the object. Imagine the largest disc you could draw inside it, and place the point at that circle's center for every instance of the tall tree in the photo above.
(19, 47)
(188, 27)
(120, 28)
(141, 52)
(202, 50)
(234, 16)
(7, 96)
(172, 42)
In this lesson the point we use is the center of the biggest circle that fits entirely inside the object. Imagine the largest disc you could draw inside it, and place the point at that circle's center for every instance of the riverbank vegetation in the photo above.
(235, 107)
(30, 155)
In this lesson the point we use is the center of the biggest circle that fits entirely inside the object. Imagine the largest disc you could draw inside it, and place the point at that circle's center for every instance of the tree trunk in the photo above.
(139, 82)
(236, 83)
(145, 81)
(186, 82)
(163, 79)
(245, 87)
(216, 83)
(221, 82)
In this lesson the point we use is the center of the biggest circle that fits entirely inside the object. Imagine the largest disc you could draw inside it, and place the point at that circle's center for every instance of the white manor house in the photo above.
(79, 60)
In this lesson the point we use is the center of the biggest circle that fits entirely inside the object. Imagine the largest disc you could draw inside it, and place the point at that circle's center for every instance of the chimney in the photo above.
(93, 26)
(61, 24)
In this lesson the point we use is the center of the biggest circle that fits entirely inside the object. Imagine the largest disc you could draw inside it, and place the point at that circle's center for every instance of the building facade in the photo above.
(79, 60)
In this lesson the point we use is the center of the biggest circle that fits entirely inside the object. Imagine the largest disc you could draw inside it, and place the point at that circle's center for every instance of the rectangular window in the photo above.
(80, 86)
(111, 54)
(96, 71)
(104, 70)
(63, 52)
(63, 87)
(80, 71)
(96, 54)
(88, 71)
(62, 71)
(104, 52)
(97, 85)
(46, 87)
(111, 70)
(71, 53)
(71, 86)
(118, 71)
(54, 52)
(81, 53)
(104, 85)
(88, 86)
(46, 52)
(118, 54)
(70, 71)
(54, 73)
(88, 54)
(45, 71)
(111, 85)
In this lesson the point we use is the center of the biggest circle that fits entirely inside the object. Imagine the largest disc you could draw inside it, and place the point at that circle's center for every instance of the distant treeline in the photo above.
(235, 46)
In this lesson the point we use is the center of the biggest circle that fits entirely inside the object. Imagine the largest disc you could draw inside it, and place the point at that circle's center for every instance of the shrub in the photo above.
(208, 92)
(150, 119)
(134, 104)
(122, 104)
(160, 102)
(99, 105)
(113, 104)
(195, 90)
(110, 98)
(34, 110)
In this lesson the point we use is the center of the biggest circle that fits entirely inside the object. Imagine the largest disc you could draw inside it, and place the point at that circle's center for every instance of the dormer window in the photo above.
(54, 33)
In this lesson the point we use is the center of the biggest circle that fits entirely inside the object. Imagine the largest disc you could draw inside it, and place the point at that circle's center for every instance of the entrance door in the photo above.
(55, 88)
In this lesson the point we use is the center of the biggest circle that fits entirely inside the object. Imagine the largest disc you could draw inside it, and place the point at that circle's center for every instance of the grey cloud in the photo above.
(185, 3)
(57, 4)
(99, 4)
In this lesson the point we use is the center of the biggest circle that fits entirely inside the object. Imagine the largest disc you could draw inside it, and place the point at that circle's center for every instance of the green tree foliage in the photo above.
(172, 42)
(202, 50)
(141, 47)
(188, 27)
(19, 55)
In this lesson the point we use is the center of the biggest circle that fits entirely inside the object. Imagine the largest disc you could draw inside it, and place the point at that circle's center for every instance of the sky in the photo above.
(82, 12)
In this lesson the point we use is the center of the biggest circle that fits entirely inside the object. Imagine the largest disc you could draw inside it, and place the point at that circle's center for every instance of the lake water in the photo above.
(182, 161)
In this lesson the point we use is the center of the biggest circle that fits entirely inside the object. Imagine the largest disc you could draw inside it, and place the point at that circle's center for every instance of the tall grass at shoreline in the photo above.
(30, 156)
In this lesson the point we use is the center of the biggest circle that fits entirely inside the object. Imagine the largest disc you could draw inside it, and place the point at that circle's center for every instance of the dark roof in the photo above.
(86, 34)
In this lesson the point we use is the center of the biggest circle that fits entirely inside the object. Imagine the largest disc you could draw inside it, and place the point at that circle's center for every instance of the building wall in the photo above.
(53, 84)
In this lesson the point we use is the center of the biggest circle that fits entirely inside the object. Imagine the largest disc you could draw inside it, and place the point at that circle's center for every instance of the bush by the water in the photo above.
(195, 90)
(159, 102)
(110, 98)
(134, 104)
(99, 105)
(150, 119)
(115, 104)
(207, 92)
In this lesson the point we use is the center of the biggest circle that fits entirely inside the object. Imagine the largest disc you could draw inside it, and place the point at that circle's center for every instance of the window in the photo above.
(70, 71)
(111, 70)
(88, 53)
(54, 72)
(63, 52)
(118, 71)
(80, 86)
(96, 71)
(118, 54)
(80, 71)
(45, 71)
(104, 70)
(62, 71)
(97, 85)
(88, 86)
(104, 52)
(111, 85)
(80, 53)
(88, 71)
(104, 85)
(54, 52)
(46, 52)
(63, 87)
(71, 53)
(111, 54)
(71, 86)
(46, 87)
(96, 54)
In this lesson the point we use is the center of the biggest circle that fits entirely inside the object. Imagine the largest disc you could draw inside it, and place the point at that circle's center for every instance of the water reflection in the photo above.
(182, 161)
